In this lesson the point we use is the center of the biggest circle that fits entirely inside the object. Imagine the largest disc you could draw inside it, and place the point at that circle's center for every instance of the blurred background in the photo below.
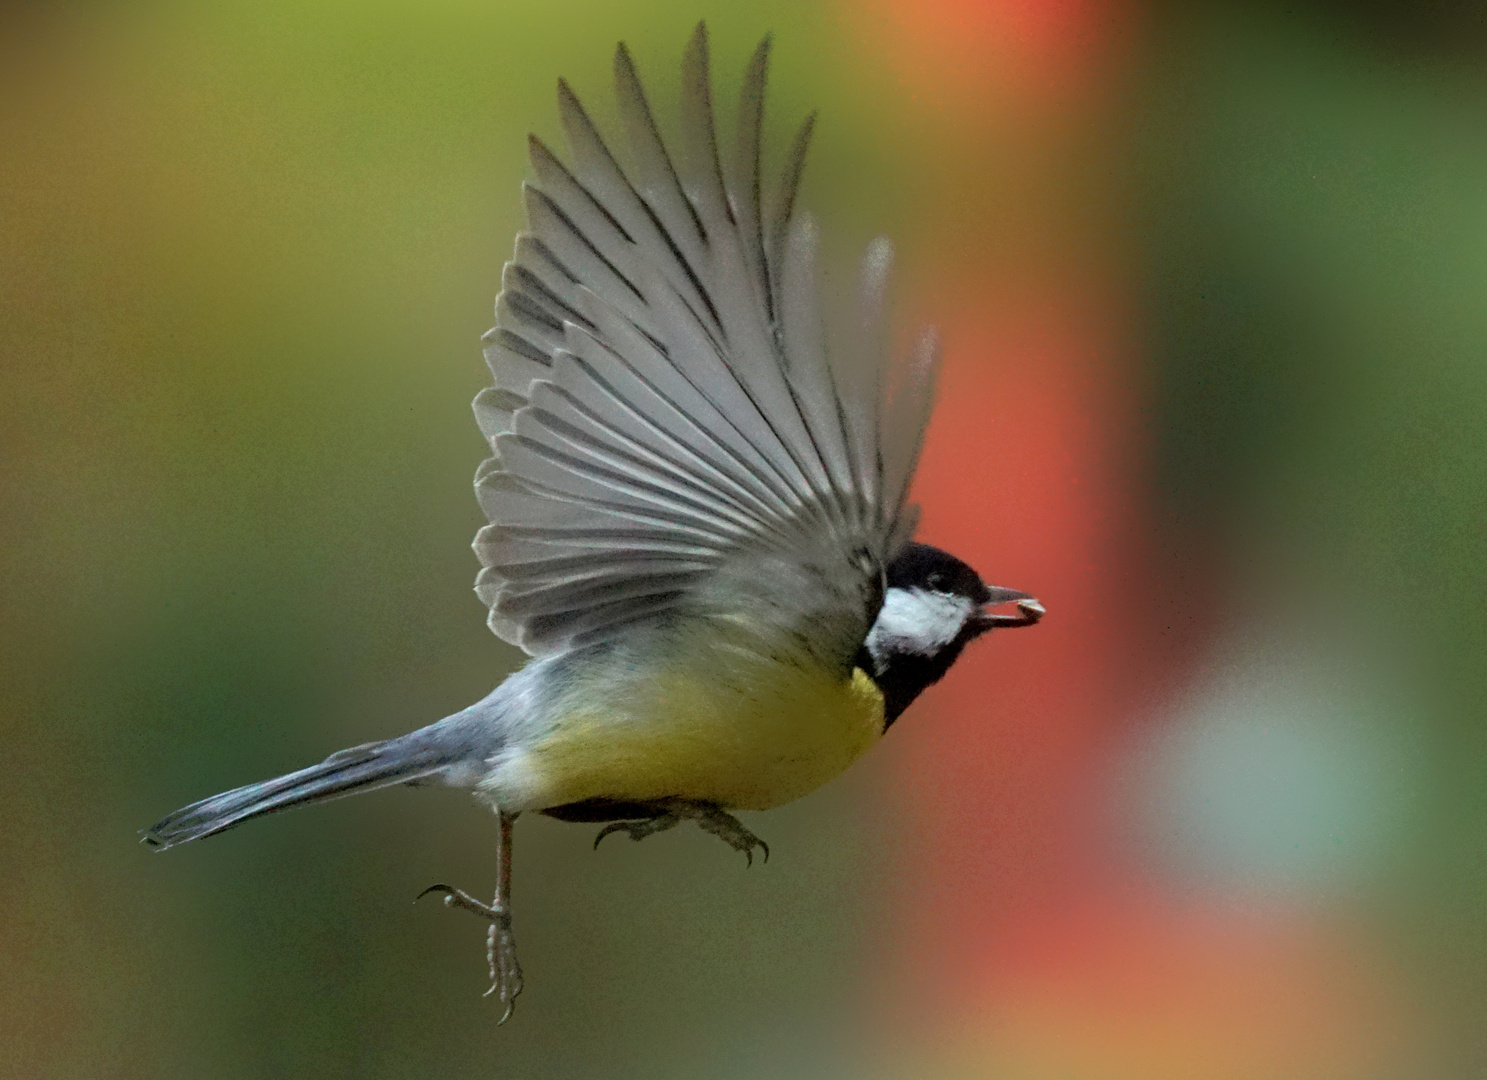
(1212, 281)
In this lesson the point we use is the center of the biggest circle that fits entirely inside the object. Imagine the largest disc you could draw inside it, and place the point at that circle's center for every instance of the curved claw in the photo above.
(731, 831)
(749, 851)
(612, 827)
(459, 898)
(639, 830)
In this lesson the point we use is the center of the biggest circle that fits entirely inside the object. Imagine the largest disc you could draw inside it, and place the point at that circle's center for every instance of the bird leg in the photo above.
(672, 812)
(500, 943)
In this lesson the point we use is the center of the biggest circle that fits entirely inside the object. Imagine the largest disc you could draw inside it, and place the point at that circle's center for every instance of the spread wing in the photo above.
(667, 412)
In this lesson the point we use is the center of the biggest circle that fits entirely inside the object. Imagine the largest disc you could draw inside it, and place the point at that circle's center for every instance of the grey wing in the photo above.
(666, 414)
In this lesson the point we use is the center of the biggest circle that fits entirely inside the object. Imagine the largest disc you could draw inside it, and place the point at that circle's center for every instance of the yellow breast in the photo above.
(714, 723)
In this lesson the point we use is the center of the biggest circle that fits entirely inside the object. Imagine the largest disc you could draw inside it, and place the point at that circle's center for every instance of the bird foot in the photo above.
(500, 944)
(709, 818)
(731, 831)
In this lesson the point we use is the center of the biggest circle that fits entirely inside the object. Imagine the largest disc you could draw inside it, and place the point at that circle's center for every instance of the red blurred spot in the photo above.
(1134, 983)
(1029, 475)
(1028, 49)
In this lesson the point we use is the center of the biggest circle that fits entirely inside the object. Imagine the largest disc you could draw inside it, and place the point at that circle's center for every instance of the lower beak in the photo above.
(1028, 611)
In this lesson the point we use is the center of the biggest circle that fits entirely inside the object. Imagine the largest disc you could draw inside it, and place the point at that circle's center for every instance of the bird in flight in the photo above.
(699, 530)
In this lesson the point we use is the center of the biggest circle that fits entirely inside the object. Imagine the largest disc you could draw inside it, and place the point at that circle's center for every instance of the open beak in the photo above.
(1028, 611)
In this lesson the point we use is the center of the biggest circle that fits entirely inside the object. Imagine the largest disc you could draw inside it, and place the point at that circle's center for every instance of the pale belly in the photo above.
(729, 728)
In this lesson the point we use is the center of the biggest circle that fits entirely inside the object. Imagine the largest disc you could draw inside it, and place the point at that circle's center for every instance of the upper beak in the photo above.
(1029, 610)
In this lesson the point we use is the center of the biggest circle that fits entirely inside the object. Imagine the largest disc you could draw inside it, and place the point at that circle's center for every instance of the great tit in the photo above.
(698, 525)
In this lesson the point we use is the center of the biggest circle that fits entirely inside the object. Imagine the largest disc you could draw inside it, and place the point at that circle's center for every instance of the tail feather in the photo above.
(361, 768)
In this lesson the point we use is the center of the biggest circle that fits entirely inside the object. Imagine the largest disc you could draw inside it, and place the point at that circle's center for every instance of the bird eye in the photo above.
(937, 582)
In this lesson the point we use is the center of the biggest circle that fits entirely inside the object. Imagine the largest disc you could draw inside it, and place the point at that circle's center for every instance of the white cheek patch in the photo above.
(917, 621)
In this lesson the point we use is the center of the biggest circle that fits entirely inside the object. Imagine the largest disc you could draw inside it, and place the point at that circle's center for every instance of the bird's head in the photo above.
(933, 605)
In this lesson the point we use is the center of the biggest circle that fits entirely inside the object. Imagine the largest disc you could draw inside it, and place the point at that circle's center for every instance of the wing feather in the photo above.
(656, 178)
(744, 188)
(803, 339)
(777, 223)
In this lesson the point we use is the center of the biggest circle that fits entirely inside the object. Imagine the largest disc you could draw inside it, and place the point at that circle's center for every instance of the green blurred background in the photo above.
(1213, 286)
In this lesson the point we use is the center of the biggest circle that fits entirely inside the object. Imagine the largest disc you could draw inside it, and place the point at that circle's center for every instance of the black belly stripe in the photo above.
(596, 810)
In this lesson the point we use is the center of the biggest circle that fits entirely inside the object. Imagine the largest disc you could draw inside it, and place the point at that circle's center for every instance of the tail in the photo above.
(361, 768)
